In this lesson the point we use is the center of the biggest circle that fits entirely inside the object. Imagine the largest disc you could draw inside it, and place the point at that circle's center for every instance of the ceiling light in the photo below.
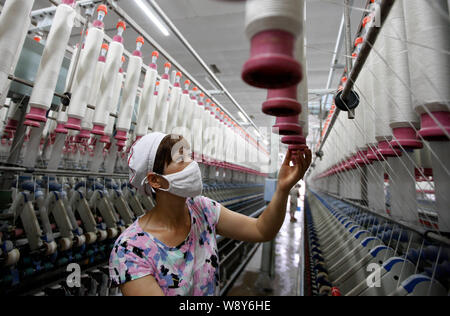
(243, 117)
(144, 7)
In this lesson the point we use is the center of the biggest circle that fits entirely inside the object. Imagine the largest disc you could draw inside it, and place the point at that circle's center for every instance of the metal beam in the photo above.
(370, 40)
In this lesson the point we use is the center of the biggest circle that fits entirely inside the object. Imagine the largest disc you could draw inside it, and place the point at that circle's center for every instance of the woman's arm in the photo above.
(145, 286)
(240, 227)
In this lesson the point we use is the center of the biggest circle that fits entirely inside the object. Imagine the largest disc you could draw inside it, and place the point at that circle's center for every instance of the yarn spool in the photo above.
(129, 94)
(381, 100)
(14, 23)
(85, 74)
(287, 126)
(148, 93)
(404, 121)
(108, 84)
(174, 101)
(272, 26)
(86, 124)
(51, 61)
(198, 127)
(153, 107)
(302, 89)
(282, 102)
(427, 25)
(161, 103)
(185, 117)
(118, 84)
(293, 140)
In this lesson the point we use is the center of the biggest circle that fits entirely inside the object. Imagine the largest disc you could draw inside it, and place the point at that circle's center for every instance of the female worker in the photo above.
(172, 250)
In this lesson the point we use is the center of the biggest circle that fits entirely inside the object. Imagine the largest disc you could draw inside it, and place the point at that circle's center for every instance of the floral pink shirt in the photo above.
(189, 269)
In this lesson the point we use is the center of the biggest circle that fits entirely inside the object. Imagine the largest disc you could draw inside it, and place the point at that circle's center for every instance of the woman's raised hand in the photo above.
(290, 175)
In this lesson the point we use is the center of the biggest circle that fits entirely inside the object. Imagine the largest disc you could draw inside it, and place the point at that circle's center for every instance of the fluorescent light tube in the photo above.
(144, 7)
(242, 117)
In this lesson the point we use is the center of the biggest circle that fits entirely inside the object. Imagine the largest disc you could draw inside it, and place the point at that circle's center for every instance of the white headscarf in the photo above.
(142, 159)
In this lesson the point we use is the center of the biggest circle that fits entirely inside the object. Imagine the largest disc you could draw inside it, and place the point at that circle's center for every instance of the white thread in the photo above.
(106, 90)
(198, 126)
(425, 25)
(161, 106)
(172, 113)
(85, 73)
(152, 111)
(382, 129)
(129, 93)
(302, 89)
(52, 57)
(114, 103)
(396, 53)
(286, 15)
(62, 116)
(93, 95)
(144, 109)
(14, 23)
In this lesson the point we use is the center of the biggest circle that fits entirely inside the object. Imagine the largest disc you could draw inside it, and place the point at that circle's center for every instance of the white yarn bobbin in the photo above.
(404, 121)
(51, 61)
(129, 97)
(427, 28)
(107, 90)
(14, 23)
(144, 109)
(379, 88)
(84, 78)
(272, 27)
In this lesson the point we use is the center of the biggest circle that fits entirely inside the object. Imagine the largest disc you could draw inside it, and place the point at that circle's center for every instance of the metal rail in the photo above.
(370, 40)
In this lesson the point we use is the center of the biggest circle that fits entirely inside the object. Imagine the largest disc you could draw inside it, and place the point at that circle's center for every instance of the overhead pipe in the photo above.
(372, 35)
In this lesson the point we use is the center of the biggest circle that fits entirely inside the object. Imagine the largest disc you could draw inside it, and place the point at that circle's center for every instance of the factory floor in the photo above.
(287, 258)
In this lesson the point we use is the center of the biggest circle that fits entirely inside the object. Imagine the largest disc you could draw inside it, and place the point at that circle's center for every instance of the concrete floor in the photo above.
(287, 258)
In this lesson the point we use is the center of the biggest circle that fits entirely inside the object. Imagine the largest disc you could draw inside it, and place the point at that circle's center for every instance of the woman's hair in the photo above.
(164, 154)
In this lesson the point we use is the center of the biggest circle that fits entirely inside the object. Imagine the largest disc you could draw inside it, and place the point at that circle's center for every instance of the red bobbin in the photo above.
(272, 64)
(293, 140)
(282, 102)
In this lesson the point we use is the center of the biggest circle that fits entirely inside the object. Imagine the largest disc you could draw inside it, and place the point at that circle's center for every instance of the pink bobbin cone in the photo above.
(84, 134)
(37, 114)
(430, 130)
(293, 140)
(121, 136)
(385, 150)
(32, 123)
(272, 64)
(73, 123)
(106, 139)
(287, 126)
(405, 137)
(282, 102)
(98, 130)
(61, 129)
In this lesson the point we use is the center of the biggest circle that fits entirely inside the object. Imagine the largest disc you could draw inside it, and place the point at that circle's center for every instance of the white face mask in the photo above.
(186, 183)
